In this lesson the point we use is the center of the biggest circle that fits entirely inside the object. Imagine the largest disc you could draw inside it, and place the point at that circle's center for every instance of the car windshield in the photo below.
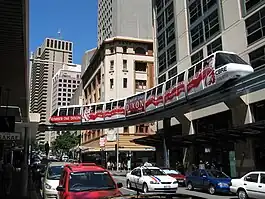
(170, 171)
(216, 174)
(90, 180)
(153, 172)
(54, 172)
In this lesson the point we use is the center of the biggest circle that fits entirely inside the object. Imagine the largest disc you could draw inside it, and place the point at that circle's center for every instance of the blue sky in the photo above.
(77, 21)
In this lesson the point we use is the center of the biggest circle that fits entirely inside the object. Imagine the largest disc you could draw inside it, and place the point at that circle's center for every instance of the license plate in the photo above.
(180, 181)
(166, 186)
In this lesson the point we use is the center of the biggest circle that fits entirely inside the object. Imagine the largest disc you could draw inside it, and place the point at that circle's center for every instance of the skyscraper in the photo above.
(47, 60)
(129, 18)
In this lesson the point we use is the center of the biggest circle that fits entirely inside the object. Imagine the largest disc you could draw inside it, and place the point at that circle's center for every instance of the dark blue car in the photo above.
(211, 180)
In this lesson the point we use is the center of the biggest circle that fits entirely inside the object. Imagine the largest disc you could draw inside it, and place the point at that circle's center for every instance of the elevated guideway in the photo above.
(242, 86)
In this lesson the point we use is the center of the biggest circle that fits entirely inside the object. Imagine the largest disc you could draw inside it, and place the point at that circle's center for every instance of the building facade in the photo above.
(124, 18)
(119, 68)
(188, 31)
(47, 60)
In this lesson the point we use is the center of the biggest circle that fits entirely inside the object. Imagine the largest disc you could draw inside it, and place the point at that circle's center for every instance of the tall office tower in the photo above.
(47, 60)
(187, 31)
(128, 18)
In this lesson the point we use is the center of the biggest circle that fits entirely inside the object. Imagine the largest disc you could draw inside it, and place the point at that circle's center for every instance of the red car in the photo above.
(87, 181)
(181, 179)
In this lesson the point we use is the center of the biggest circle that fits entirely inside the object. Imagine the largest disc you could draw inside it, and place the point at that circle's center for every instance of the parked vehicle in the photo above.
(251, 185)
(212, 180)
(181, 179)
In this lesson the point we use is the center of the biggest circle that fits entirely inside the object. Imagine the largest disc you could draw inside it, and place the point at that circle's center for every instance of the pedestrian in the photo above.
(8, 176)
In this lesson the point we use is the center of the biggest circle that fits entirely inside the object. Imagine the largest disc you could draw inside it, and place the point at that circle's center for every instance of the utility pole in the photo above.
(117, 155)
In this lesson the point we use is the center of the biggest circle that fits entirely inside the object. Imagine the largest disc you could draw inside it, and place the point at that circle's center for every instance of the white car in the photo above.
(51, 178)
(151, 179)
(251, 185)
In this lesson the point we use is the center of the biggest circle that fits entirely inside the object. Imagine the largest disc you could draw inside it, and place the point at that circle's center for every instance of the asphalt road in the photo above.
(182, 190)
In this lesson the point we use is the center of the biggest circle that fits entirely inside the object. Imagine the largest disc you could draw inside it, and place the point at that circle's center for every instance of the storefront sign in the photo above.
(6, 136)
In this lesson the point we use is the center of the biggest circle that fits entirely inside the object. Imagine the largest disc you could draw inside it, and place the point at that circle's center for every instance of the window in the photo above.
(252, 178)
(222, 59)
(216, 45)
(140, 84)
(211, 25)
(250, 4)
(162, 79)
(170, 33)
(172, 72)
(161, 41)
(255, 25)
(162, 63)
(169, 12)
(124, 64)
(111, 50)
(262, 178)
(207, 4)
(198, 56)
(124, 49)
(160, 23)
(197, 36)
(257, 58)
(111, 83)
(159, 5)
(111, 65)
(195, 11)
(125, 83)
(171, 55)
(140, 51)
(126, 129)
(140, 66)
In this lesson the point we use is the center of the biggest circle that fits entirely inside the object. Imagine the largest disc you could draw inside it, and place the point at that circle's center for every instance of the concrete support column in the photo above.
(187, 129)
(242, 114)
(167, 141)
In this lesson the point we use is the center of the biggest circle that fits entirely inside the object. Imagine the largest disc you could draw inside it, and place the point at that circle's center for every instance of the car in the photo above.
(251, 185)
(209, 179)
(175, 174)
(51, 178)
(148, 178)
(87, 181)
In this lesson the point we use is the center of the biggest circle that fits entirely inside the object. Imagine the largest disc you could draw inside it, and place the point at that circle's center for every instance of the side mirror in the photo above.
(60, 188)
(248, 178)
(120, 185)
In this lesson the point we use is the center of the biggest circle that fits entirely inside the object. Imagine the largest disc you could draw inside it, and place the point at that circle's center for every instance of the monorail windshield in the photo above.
(222, 59)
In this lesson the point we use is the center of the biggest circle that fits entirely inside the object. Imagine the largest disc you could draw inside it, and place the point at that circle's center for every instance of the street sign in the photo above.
(10, 136)
(102, 142)
(7, 123)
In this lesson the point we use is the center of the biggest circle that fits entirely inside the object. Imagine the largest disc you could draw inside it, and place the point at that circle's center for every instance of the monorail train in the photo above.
(206, 75)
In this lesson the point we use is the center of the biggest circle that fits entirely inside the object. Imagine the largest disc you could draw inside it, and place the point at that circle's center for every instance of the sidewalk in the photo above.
(119, 173)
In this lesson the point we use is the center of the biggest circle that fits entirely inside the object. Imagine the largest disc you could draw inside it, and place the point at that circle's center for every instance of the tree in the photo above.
(65, 141)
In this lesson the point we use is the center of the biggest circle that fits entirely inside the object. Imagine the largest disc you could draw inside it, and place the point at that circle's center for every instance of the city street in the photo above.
(181, 190)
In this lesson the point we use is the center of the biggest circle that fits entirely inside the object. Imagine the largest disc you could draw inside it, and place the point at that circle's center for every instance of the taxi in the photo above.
(148, 178)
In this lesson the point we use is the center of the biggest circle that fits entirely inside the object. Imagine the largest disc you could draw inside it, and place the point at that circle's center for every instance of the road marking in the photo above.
(128, 189)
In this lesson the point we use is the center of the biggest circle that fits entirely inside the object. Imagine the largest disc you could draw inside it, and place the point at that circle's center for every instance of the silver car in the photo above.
(51, 179)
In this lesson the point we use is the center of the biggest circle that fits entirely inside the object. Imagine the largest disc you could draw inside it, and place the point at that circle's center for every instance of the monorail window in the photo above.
(114, 104)
(208, 62)
(222, 59)
(70, 111)
(174, 81)
(168, 85)
(198, 67)
(181, 77)
(99, 108)
(148, 93)
(108, 106)
(191, 72)
(77, 111)
(121, 103)
(62, 111)
(55, 113)
(93, 109)
(159, 90)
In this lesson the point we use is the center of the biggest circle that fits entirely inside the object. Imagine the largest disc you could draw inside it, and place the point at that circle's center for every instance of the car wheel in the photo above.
(211, 189)
(190, 186)
(242, 194)
(128, 184)
(145, 188)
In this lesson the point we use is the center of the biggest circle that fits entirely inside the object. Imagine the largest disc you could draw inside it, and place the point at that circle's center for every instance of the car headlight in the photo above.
(47, 186)
(175, 182)
(221, 184)
(154, 182)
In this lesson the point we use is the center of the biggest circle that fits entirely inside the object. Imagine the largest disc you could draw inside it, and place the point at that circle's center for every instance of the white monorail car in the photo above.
(208, 74)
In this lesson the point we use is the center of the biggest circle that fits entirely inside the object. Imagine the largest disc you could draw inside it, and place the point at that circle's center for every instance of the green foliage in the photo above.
(65, 141)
